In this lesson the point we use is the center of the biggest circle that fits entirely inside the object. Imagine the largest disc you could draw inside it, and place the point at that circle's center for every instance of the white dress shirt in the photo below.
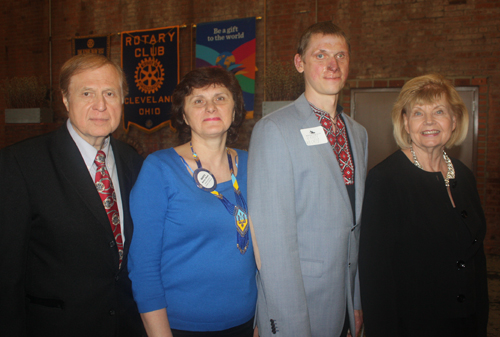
(89, 153)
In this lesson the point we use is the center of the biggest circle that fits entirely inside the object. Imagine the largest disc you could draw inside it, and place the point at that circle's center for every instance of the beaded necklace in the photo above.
(207, 182)
(451, 170)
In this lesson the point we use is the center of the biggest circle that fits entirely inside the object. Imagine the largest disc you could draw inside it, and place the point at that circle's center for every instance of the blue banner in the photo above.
(91, 45)
(230, 44)
(150, 59)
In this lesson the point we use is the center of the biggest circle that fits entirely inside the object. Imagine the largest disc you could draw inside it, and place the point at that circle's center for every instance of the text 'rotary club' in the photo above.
(152, 39)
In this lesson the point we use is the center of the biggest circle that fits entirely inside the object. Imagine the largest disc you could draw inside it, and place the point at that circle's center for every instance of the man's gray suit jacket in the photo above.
(304, 226)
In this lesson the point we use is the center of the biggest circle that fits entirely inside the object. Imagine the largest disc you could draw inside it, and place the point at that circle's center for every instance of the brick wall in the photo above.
(391, 41)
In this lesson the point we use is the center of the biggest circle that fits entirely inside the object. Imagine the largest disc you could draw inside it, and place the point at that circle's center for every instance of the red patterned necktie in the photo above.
(104, 186)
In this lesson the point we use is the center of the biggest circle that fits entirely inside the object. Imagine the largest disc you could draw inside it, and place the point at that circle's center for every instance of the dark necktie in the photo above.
(104, 186)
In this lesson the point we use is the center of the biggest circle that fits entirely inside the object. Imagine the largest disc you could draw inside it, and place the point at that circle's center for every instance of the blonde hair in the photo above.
(428, 89)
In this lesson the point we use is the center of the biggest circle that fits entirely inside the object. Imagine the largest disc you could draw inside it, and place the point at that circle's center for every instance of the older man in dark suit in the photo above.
(65, 225)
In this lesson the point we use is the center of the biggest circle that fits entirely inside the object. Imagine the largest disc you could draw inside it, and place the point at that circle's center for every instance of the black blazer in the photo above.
(59, 272)
(421, 261)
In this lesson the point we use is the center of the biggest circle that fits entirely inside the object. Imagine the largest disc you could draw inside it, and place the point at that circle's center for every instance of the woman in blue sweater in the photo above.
(191, 259)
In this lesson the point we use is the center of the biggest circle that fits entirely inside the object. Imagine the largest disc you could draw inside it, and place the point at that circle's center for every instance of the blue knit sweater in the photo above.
(183, 254)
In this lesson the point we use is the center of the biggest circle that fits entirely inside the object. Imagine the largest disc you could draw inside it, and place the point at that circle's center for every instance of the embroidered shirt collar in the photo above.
(323, 113)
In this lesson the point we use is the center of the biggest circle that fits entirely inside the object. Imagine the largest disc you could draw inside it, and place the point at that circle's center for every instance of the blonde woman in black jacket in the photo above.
(421, 261)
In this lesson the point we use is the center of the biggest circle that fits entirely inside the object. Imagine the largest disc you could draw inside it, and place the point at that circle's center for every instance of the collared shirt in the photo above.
(89, 153)
(339, 141)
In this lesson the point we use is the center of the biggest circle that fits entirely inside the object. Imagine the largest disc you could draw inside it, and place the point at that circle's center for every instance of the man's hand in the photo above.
(358, 321)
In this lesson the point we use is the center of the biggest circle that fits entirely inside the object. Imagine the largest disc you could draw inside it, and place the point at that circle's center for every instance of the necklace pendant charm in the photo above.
(242, 238)
(204, 180)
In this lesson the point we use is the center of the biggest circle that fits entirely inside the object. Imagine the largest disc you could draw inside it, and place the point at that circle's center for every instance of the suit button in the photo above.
(273, 326)
(460, 264)
(454, 184)
(464, 214)
(112, 243)
(461, 298)
(475, 240)
(112, 312)
(349, 264)
(117, 277)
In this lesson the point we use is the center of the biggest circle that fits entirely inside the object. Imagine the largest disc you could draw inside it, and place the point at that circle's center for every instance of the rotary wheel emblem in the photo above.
(149, 75)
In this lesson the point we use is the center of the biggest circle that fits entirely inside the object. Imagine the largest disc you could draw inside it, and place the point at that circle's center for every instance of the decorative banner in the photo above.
(231, 45)
(91, 45)
(150, 59)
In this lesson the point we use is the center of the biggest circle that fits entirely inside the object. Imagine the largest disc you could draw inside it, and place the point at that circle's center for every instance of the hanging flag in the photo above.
(230, 44)
(150, 60)
(97, 44)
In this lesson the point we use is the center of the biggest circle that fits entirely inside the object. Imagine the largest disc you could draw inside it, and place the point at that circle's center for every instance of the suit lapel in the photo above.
(359, 163)
(124, 178)
(324, 151)
(76, 174)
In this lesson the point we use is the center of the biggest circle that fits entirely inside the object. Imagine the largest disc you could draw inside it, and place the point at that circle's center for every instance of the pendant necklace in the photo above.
(207, 182)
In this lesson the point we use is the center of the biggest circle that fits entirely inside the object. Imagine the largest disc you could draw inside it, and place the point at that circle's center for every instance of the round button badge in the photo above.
(205, 180)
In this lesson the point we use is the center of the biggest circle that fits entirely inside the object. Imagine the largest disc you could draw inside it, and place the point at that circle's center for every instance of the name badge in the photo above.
(314, 136)
(205, 180)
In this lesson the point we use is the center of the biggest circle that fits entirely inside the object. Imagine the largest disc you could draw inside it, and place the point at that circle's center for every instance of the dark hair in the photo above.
(324, 28)
(201, 78)
(80, 63)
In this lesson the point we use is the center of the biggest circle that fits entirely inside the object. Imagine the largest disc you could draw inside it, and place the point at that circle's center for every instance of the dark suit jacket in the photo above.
(59, 272)
(421, 261)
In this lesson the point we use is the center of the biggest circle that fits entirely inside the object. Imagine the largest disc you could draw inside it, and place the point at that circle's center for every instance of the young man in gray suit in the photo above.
(306, 179)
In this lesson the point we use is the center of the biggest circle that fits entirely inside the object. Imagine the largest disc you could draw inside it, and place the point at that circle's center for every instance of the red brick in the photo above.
(365, 84)
(462, 81)
(479, 81)
(483, 89)
(396, 83)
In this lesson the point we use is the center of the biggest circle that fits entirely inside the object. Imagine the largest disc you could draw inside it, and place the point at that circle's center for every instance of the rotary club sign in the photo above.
(150, 59)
